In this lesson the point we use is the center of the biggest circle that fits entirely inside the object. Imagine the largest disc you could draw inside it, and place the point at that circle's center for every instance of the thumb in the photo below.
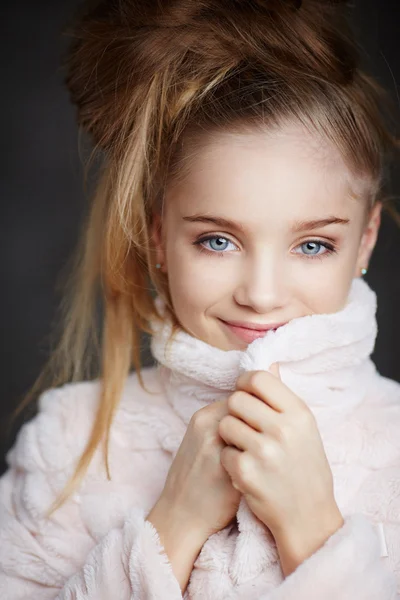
(274, 370)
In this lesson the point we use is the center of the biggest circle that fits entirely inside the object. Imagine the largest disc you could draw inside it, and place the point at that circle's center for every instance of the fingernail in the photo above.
(274, 370)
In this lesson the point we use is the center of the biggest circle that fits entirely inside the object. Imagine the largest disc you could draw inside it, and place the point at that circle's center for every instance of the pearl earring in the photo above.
(158, 266)
(364, 271)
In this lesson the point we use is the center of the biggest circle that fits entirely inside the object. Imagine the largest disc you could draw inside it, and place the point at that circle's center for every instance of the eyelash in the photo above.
(330, 248)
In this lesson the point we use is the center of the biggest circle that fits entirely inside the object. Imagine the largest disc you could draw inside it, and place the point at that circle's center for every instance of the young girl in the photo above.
(238, 203)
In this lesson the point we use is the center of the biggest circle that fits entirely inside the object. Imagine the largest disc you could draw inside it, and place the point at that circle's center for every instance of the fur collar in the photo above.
(323, 358)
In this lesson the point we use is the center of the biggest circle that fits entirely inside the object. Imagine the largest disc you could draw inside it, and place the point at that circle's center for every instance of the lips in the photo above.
(249, 334)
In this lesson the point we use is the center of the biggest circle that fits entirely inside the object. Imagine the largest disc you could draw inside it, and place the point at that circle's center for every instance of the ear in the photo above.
(158, 242)
(369, 238)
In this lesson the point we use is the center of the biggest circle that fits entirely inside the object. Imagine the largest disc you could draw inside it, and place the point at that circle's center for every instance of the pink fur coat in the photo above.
(99, 546)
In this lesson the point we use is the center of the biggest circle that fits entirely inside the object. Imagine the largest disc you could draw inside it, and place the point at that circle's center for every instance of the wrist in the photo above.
(296, 544)
(181, 539)
(173, 525)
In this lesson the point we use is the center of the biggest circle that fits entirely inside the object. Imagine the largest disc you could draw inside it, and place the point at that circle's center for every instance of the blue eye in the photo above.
(216, 243)
(313, 248)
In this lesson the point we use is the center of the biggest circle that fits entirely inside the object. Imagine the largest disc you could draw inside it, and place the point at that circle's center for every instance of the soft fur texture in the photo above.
(99, 546)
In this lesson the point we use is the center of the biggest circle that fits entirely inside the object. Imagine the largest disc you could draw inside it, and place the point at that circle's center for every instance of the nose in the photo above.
(262, 285)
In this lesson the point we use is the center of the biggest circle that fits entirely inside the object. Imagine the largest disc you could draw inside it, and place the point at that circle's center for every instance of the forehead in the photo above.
(271, 173)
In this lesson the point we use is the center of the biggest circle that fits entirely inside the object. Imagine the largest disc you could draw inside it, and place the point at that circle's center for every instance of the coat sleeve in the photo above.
(57, 557)
(349, 565)
(362, 559)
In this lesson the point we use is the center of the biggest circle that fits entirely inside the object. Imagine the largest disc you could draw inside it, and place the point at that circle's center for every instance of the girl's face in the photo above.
(263, 229)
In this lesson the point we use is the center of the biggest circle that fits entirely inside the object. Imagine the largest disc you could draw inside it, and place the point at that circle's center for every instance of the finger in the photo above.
(229, 458)
(216, 410)
(220, 408)
(253, 411)
(270, 390)
(274, 370)
(236, 433)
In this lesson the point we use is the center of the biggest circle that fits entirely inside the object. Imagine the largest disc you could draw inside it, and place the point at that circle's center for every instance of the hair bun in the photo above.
(270, 4)
(277, 4)
(120, 46)
(284, 37)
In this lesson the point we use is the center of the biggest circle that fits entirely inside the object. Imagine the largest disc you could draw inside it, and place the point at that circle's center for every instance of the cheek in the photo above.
(327, 296)
(196, 281)
(326, 289)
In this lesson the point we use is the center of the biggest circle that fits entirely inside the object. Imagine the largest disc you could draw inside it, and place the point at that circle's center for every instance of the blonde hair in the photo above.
(150, 79)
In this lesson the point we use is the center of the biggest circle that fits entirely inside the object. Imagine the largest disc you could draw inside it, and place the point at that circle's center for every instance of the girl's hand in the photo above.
(198, 498)
(198, 495)
(275, 457)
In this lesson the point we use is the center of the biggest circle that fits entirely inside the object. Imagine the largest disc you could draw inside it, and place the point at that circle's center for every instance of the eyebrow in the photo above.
(297, 226)
(317, 223)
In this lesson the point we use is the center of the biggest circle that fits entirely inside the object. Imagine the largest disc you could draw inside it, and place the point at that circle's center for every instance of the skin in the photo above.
(266, 266)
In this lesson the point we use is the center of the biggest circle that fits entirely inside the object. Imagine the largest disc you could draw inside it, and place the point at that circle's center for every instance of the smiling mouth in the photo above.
(249, 334)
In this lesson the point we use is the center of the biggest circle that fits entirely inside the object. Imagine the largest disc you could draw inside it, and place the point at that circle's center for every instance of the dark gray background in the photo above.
(42, 195)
